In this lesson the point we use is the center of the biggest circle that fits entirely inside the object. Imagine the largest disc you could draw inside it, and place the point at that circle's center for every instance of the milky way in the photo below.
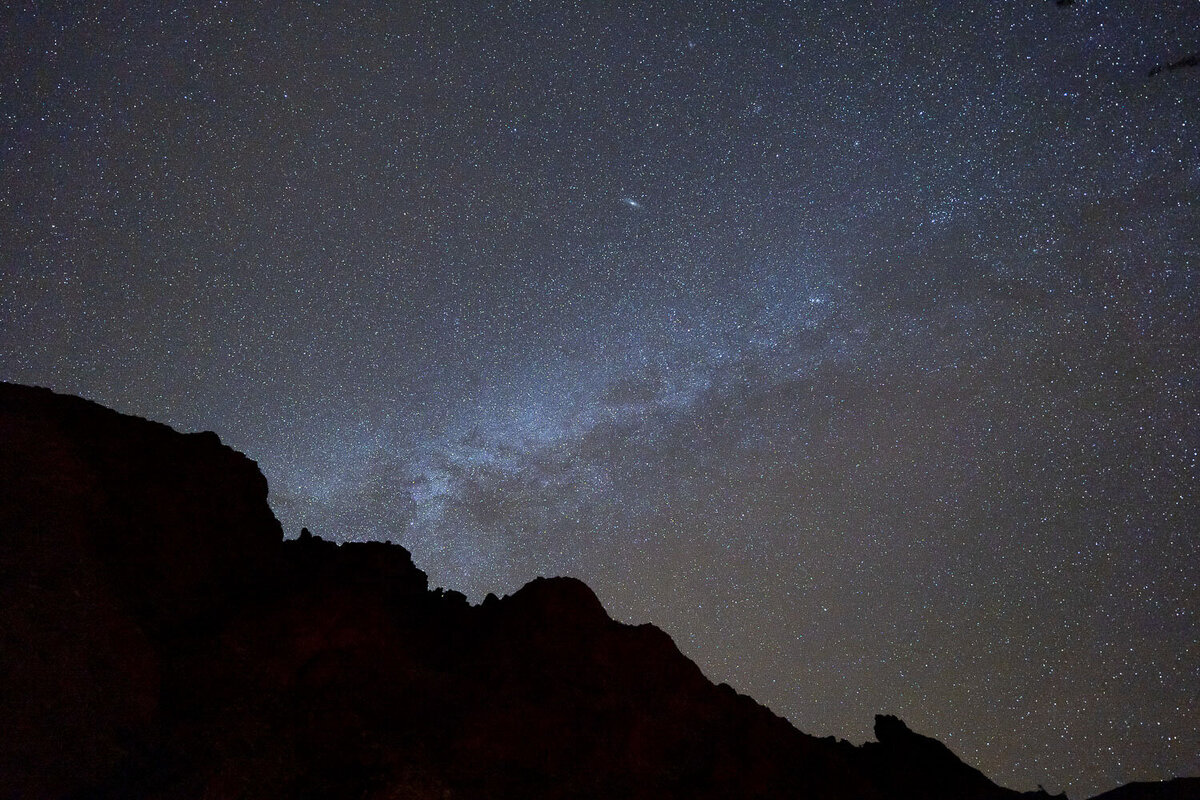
(857, 347)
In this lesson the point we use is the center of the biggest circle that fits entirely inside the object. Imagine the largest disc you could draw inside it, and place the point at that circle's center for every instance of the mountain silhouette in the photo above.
(160, 638)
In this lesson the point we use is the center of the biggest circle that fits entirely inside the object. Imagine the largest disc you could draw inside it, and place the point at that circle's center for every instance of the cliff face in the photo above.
(116, 536)
(159, 638)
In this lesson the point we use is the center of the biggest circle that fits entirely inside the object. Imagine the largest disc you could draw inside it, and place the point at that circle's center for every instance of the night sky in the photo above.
(856, 345)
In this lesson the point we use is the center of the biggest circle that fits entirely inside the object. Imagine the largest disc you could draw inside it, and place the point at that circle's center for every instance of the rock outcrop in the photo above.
(160, 638)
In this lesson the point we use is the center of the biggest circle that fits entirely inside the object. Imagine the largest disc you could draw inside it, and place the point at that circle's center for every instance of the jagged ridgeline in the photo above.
(160, 638)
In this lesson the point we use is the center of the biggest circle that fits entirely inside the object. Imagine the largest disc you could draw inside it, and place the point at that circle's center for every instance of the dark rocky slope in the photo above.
(159, 638)
(1177, 789)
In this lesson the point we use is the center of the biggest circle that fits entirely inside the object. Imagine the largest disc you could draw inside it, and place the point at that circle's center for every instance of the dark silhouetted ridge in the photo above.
(1177, 789)
(159, 638)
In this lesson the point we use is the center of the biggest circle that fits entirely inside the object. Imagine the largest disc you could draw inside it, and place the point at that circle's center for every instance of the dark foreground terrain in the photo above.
(159, 638)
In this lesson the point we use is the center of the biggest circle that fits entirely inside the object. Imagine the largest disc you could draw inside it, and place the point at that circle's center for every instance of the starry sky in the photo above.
(856, 345)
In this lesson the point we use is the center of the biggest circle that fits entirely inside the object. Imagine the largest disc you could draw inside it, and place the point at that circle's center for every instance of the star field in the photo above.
(858, 347)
